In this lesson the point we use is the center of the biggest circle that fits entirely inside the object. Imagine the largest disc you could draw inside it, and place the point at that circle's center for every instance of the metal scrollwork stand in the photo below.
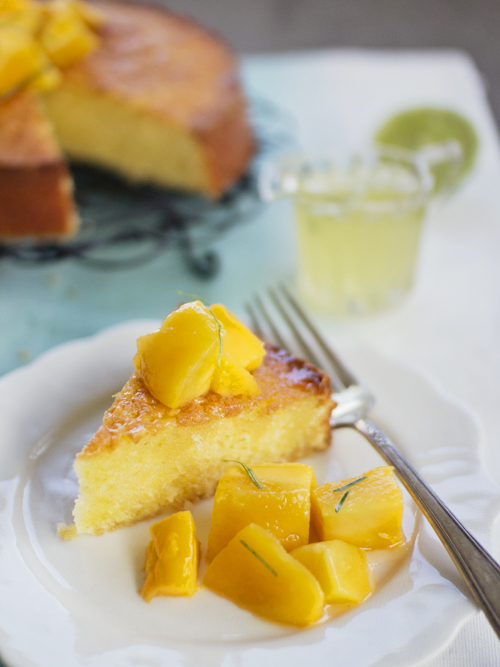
(123, 225)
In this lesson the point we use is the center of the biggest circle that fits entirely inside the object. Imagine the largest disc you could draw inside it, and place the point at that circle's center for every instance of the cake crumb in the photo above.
(66, 532)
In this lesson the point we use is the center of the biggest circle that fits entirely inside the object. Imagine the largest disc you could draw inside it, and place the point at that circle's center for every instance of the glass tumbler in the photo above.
(359, 221)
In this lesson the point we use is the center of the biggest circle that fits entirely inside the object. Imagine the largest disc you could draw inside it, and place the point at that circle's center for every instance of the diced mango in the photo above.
(19, 58)
(231, 379)
(23, 14)
(367, 513)
(178, 361)
(340, 568)
(66, 37)
(282, 506)
(172, 557)
(256, 573)
(243, 346)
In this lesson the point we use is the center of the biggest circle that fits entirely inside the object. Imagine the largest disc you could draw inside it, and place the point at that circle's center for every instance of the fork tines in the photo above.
(282, 320)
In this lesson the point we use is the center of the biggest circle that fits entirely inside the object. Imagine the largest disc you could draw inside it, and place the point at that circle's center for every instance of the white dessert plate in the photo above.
(75, 603)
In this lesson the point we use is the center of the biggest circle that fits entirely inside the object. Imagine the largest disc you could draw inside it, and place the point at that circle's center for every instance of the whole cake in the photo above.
(147, 458)
(158, 101)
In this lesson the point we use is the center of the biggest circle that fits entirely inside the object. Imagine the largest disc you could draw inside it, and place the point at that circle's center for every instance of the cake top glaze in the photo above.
(282, 379)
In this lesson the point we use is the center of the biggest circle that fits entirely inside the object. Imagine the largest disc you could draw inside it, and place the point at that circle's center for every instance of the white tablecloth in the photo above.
(450, 327)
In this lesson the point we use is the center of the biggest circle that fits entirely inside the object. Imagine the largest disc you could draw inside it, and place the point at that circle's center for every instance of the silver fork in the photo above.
(480, 571)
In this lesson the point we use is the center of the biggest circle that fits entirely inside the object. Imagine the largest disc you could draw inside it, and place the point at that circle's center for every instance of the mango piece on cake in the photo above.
(340, 568)
(243, 345)
(24, 14)
(256, 573)
(19, 58)
(231, 379)
(178, 361)
(172, 557)
(65, 36)
(366, 511)
(276, 497)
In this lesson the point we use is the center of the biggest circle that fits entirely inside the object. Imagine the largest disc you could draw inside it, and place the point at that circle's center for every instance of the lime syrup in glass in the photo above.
(358, 235)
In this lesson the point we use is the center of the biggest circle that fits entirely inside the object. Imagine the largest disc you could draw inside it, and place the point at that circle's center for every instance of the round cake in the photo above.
(159, 101)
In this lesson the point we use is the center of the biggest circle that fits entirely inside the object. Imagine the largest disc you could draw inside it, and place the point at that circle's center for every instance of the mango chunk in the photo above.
(19, 58)
(340, 568)
(65, 36)
(282, 506)
(244, 347)
(172, 557)
(177, 362)
(366, 511)
(256, 573)
(231, 379)
(22, 14)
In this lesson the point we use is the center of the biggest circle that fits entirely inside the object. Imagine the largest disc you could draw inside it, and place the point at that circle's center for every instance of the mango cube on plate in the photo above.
(366, 511)
(340, 568)
(172, 557)
(281, 505)
(256, 573)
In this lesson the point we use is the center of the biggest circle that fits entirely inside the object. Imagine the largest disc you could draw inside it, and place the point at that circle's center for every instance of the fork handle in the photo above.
(480, 571)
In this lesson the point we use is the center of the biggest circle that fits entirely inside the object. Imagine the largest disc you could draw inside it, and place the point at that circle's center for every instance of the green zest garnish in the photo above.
(248, 471)
(259, 557)
(348, 486)
(219, 326)
(342, 501)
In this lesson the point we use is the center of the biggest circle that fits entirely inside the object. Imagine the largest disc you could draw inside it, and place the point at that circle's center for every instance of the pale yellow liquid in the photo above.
(358, 260)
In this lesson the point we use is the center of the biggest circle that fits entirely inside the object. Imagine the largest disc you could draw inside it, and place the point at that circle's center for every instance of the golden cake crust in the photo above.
(282, 379)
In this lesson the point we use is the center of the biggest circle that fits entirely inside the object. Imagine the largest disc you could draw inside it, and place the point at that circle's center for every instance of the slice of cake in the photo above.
(36, 190)
(147, 458)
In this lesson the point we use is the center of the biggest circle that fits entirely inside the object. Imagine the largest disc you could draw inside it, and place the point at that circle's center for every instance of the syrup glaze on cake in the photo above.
(147, 458)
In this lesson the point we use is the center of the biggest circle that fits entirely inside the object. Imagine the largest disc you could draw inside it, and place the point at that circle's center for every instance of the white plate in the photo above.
(76, 603)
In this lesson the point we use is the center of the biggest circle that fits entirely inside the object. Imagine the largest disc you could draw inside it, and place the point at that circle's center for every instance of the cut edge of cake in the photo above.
(36, 188)
(147, 459)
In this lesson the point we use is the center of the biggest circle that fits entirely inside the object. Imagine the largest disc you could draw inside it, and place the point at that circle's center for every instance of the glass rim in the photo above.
(279, 178)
